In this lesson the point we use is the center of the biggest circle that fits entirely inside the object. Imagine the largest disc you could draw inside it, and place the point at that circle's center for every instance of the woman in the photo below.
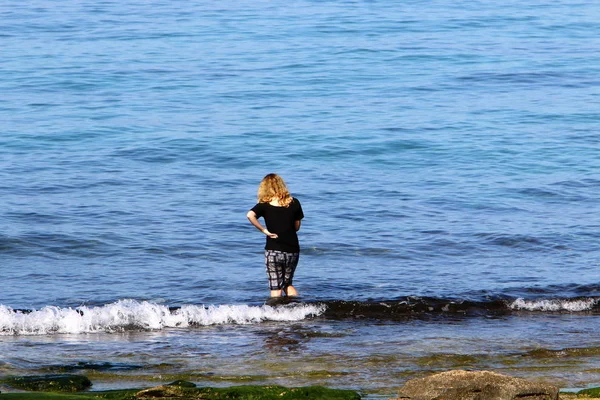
(282, 214)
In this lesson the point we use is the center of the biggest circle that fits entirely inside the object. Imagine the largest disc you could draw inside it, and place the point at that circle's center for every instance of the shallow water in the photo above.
(370, 354)
(445, 154)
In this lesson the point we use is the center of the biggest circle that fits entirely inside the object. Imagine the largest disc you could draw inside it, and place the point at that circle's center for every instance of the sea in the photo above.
(446, 155)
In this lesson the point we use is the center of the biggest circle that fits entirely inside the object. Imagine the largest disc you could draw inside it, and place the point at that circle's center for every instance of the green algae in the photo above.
(183, 384)
(271, 392)
(49, 383)
(277, 392)
(592, 392)
(92, 366)
(564, 353)
(448, 360)
(319, 374)
(109, 395)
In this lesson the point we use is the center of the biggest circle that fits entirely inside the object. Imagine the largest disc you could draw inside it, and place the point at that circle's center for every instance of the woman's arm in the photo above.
(251, 215)
(297, 225)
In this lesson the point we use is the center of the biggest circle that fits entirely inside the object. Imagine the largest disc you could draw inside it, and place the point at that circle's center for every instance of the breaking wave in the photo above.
(142, 315)
(128, 315)
(555, 305)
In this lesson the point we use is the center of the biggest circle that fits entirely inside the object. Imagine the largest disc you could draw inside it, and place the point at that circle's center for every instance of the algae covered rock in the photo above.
(270, 392)
(173, 390)
(475, 385)
(49, 383)
(592, 392)
(182, 384)
(167, 392)
(181, 390)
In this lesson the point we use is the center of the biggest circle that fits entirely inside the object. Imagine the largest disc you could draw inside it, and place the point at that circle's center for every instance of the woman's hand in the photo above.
(254, 221)
(269, 234)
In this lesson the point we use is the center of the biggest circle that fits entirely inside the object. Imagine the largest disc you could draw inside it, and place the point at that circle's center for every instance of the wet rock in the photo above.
(49, 383)
(93, 366)
(164, 391)
(269, 392)
(182, 384)
(177, 389)
(475, 385)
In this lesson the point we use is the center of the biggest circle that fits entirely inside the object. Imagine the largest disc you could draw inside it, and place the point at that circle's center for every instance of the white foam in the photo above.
(577, 305)
(132, 314)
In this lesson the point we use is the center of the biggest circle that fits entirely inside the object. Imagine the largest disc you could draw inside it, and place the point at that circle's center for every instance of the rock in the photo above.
(177, 389)
(475, 385)
(49, 383)
(269, 392)
(163, 391)
(182, 384)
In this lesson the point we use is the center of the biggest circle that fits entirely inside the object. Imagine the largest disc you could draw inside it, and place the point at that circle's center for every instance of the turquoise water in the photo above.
(444, 152)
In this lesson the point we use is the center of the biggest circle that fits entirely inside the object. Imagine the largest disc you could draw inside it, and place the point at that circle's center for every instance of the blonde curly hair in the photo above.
(272, 187)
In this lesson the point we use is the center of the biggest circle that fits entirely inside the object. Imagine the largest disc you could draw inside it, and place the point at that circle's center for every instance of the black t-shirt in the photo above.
(281, 220)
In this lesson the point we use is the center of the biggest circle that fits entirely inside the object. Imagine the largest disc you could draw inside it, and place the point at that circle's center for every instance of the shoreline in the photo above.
(79, 387)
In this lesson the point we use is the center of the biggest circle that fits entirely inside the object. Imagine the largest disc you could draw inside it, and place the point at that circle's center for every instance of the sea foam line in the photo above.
(142, 315)
(554, 305)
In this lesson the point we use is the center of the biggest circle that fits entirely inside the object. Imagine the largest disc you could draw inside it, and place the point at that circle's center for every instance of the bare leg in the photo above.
(276, 293)
(291, 291)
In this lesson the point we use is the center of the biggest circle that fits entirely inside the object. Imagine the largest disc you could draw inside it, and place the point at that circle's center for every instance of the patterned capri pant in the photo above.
(280, 268)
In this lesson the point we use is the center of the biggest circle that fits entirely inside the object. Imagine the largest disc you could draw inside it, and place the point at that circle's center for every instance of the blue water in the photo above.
(441, 150)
